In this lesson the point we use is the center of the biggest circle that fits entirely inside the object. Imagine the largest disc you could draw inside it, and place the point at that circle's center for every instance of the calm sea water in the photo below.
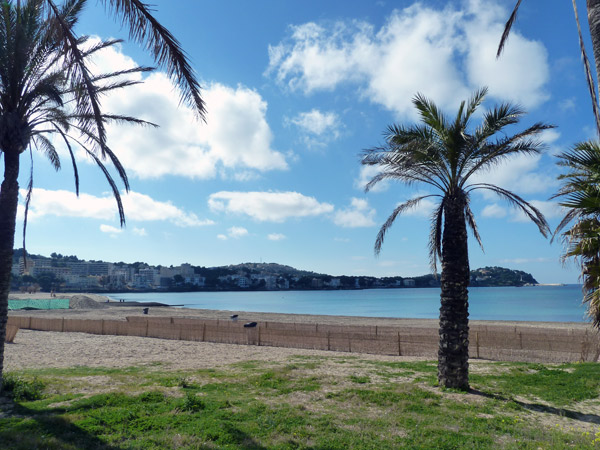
(538, 304)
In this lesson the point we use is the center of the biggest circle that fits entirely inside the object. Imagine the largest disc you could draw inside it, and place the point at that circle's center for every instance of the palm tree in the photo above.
(47, 91)
(580, 193)
(444, 154)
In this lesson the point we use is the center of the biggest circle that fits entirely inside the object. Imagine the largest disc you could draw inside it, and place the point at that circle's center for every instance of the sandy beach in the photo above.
(53, 349)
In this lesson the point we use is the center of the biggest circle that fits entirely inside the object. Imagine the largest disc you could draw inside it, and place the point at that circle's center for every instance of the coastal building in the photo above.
(409, 282)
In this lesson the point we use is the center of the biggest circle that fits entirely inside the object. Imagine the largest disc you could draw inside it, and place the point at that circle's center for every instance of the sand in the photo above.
(35, 349)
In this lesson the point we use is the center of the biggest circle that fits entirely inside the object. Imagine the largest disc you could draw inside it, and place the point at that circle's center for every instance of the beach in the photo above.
(36, 349)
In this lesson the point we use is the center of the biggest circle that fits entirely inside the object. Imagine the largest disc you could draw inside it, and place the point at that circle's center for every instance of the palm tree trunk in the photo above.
(453, 354)
(593, 12)
(9, 196)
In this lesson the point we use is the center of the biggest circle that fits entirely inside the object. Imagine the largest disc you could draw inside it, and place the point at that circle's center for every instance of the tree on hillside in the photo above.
(580, 194)
(444, 154)
(48, 93)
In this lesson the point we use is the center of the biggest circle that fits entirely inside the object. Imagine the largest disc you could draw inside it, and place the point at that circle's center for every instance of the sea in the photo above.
(532, 303)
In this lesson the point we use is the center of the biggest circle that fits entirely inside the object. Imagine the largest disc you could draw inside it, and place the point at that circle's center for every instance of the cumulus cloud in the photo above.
(233, 233)
(140, 231)
(110, 229)
(138, 207)
(408, 54)
(268, 206)
(359, 214)
(550, 210)
(317, 128)
(519, 174)
(424, 209)
(236, 137)
(276, 237)
(365, 175)
(494, 211)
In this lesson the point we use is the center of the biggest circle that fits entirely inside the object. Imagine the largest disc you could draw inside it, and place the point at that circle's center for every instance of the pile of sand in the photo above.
(85, 302)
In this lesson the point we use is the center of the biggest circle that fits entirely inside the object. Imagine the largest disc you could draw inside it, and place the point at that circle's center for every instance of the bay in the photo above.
(533, 303)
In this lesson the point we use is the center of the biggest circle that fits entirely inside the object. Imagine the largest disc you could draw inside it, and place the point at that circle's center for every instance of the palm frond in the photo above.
(49, 150)
(507, 28)
(166, 50)
(87, 100)
(470, 217)
(73, 161)
(435, 236)
(513, 199)
(27, 203)
(390, 220)
(588, 72)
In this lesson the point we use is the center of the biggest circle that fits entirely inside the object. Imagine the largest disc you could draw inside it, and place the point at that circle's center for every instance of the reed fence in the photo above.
(494, 342)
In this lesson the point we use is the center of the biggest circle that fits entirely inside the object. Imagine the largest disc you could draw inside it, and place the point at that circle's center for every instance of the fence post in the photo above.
(477, 342)
(399, 346)
(521, 340)
(102, 327)
(62, 325)
(203, 331)
(258, 335)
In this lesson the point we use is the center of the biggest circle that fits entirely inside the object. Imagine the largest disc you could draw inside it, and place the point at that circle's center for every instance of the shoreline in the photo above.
(104, 310)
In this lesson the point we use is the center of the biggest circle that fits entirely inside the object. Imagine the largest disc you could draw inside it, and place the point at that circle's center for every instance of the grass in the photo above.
(304, 403)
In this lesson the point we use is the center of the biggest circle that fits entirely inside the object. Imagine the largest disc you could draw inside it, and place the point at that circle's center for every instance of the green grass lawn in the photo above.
(338, 402)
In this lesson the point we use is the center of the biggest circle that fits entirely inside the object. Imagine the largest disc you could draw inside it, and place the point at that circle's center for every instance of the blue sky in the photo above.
(295, 90)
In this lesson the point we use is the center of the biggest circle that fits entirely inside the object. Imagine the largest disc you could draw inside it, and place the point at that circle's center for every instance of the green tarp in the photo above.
(39, 303)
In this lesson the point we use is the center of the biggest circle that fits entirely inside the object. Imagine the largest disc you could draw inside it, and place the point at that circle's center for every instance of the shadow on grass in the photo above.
(25, 428)
(537, 407)
(22, 428)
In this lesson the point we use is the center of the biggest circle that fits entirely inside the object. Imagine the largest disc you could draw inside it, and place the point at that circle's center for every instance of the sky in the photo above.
(295, 92)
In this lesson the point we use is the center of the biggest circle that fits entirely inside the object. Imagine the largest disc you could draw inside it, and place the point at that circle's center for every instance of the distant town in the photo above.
(62, 273)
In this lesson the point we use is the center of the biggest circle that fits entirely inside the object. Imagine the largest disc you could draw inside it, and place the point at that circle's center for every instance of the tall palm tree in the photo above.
(444, 154)
(580, 194)
(47, 91)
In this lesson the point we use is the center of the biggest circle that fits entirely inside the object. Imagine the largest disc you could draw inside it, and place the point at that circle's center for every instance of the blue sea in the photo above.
(535, 303)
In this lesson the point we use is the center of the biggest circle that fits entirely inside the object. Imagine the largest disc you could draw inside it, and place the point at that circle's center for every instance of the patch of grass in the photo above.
(286, 406)
(558, 384)
(21, 388)
(360, 379)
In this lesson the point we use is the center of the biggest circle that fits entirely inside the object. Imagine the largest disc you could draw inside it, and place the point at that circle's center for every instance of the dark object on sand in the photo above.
(234, 317)
(250, 325)
(145, 310)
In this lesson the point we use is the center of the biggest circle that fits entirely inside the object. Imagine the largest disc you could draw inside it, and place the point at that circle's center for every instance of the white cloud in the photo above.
(526, 260)
(276, 237)
(519, 174)
(424, 209)
(339, 239)
(359, 214)
(520, 73)
(237, 232)
(365, 175)
(236, 137)
(550, 210)
(494, 211)
(268, 206)
(138, 207)
(443, 53)
(318, 128)
(110, 229)
(233, 233)
(140, 231)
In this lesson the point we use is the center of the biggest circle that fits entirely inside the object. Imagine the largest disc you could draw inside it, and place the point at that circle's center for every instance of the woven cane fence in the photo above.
(494, 342)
